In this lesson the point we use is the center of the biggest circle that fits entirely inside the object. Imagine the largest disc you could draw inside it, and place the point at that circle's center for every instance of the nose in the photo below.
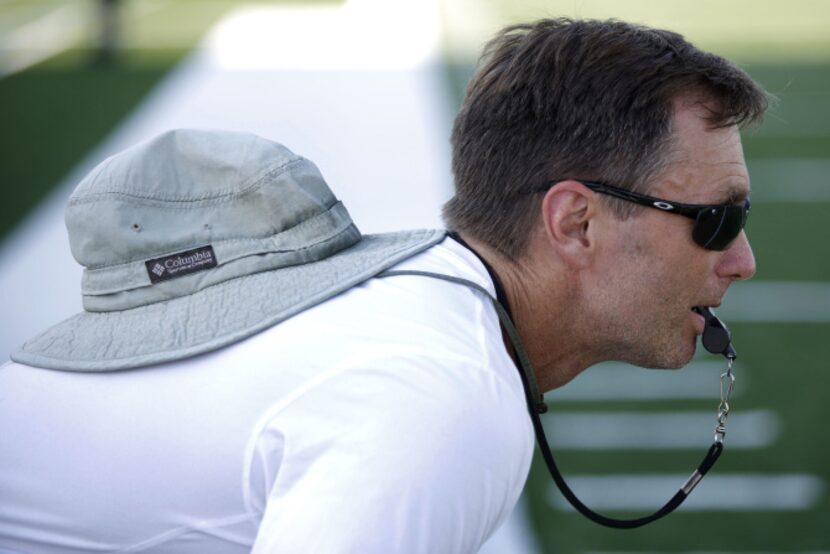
(738, 262)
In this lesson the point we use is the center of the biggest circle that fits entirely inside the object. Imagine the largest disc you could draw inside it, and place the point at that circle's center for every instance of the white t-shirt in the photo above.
(389, 419)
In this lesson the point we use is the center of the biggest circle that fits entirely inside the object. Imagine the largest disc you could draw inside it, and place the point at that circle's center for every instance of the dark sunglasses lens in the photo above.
(715, 228)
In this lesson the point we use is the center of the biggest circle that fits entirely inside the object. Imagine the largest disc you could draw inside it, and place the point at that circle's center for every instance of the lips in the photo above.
(704, 313)
(711, 305)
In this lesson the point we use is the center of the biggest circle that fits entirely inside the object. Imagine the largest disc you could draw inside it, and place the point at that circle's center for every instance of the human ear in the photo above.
(568, 209)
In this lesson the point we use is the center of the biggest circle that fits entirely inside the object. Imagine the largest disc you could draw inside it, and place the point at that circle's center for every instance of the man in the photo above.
(244, 379)
(619, 105)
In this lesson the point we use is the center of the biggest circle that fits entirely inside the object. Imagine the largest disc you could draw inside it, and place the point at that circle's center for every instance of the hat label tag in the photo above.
(180, 264)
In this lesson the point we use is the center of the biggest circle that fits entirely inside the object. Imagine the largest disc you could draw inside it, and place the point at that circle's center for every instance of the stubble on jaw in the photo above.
(646, 335)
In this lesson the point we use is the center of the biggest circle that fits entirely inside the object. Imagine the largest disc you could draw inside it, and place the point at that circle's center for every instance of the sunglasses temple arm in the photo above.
(641, 199)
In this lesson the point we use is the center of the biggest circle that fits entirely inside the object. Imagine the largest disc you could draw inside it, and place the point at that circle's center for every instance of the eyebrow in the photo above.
(735, 194)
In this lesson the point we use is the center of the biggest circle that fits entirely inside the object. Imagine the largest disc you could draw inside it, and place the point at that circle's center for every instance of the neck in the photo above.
(543, 308)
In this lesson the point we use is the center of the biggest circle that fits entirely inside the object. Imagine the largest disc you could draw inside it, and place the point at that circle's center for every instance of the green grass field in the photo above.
(54, 113)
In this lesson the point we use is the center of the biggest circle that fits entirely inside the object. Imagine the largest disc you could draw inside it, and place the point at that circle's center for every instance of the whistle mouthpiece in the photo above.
(716, 337)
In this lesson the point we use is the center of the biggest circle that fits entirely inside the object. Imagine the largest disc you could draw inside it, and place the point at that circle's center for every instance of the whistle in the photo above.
(716, 336)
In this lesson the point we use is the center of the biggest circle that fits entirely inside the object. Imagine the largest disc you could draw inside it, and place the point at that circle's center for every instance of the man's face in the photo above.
(652, 273)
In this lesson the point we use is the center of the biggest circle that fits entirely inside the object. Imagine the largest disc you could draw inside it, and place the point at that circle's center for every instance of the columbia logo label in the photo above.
(180, 264)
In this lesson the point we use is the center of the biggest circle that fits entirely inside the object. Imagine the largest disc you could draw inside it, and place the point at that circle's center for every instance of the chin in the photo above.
(674, 356)
(651, 347)
(682, 356)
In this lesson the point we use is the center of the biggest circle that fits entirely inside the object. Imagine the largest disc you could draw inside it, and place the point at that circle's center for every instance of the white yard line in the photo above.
(657, 430)
(790, 180)
(733, 492)
(777, 302)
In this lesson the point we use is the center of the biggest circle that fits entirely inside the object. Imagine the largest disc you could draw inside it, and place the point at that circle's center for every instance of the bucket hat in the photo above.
(197, 239)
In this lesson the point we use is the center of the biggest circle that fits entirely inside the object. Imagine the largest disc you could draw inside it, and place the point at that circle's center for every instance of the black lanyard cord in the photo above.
(708, 461)
(537, 406)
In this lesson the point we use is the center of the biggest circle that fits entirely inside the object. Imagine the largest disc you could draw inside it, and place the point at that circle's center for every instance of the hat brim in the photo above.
(216, 316)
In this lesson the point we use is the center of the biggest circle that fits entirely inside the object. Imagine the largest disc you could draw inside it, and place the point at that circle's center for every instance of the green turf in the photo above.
(722, 532)
(801, 108)
(787, 377)
(786, 147)
(788, 242)
(53, 116)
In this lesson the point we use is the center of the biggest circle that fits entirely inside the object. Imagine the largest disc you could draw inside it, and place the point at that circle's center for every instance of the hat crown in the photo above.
(187, 188)
(195, 240)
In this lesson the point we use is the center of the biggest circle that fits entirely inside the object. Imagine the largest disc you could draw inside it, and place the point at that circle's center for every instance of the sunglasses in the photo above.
(716, 225)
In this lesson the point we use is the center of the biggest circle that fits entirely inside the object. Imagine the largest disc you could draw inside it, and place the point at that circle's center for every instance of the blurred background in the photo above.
(367, 89)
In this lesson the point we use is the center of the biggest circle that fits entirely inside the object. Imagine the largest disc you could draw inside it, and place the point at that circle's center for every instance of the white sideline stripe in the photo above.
(657, 430)
(734, 492)
(619, 381)
(790, 180)
(357, 28)
(777, 302)
(39, 39)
